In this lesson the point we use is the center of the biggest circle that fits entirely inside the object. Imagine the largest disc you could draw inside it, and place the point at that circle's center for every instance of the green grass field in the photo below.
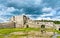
(58, 36)
(10, 30)
(57, 31)
(7, 31)
(1, 36)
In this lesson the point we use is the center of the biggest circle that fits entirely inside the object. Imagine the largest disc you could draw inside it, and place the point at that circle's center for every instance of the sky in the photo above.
(35, 9)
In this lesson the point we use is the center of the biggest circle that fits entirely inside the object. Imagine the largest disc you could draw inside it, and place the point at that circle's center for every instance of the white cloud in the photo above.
(45, 9)
(3, 19)
(38, 2)
(46, 16)
(40, 18)
(7, 11)
(49, 14)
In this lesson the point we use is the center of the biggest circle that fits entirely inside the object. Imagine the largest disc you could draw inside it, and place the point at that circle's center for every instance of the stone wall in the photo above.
(36, 24)
(23, 21)
(19, 21)
(7, 25)
(57, 26)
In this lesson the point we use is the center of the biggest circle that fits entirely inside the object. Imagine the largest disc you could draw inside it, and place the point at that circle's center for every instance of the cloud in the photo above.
(42, 18)
(35, 9)
(49, 14)
(23, 3)
(6, 10)
(45, 9)
(3, 20)
(38, 2)
(28, 6)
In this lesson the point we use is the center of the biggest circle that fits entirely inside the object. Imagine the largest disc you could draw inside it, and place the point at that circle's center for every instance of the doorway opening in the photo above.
(42, 26)
(27, 26)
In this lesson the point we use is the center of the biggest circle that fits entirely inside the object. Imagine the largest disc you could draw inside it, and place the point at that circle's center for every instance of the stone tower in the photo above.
(19, 21)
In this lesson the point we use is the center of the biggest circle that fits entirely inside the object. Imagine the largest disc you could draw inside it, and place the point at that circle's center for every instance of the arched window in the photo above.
(42, 26)
(24, 19)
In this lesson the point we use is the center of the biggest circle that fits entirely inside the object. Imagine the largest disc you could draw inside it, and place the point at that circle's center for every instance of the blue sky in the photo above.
(35, 9)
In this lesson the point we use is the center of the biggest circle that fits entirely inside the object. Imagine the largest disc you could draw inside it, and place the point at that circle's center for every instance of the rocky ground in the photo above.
(31, 34)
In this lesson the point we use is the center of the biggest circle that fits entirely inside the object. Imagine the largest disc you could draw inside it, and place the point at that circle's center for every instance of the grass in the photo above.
(57, 31)
(49, 29)
(10, 30)
(6, 31)
(58, 36)
(1, 36)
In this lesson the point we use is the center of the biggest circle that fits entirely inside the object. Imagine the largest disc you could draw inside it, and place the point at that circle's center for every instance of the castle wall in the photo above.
(23, 21)
(57, 26)
(36, 24)
(19, 21)
(7, 25)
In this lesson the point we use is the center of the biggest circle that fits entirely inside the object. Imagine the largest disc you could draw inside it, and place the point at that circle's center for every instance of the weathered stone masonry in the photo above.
(24, 22)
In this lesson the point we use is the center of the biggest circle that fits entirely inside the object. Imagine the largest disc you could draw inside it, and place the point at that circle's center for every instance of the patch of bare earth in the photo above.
(30, 34)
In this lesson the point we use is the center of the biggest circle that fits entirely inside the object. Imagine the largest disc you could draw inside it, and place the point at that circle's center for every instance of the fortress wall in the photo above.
(57, 26)
(19, 21)
(34, 25)
(48, 24)
(7, 25)
(38, 24)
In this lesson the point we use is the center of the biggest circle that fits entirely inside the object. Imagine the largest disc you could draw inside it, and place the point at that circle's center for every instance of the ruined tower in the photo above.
(19, 21)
